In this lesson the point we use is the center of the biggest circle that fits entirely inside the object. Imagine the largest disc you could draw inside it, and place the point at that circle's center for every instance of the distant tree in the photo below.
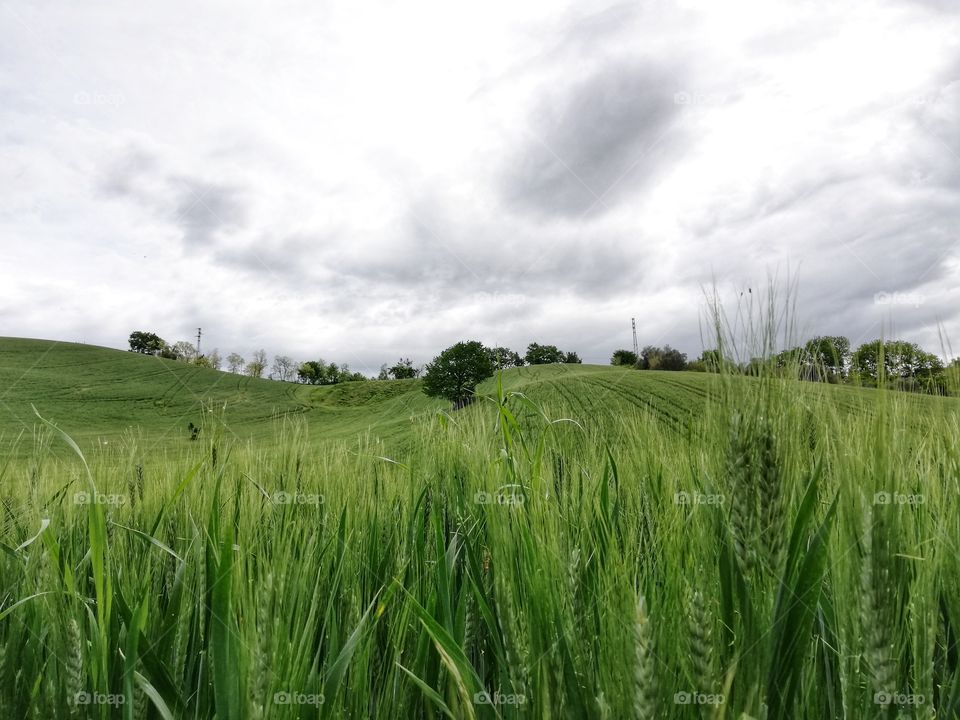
(235, 362)
(455, 373)
(213, 357)
(952, 376)
(758, 366)
(320, 372)
(650, 357)
(898, 364)
(284, 368)
(182, 350)
(665, 358)
(312, 372)
(345, 375)
(624, 357)
(503, 358)
(257, 366)
(829, 355)
(538, 354)
(571, 358)
(673, 359)
(712, 360)
(147, 343)
(202, 361)
(403, 370)
(384, 373)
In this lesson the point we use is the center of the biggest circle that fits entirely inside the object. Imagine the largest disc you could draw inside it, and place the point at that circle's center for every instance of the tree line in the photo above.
(895, 364)
(320, 372)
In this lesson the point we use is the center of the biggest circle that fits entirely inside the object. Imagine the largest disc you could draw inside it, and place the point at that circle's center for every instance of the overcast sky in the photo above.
(359, 181)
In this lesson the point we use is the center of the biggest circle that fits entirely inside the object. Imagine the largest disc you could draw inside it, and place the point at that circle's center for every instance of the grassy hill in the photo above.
(96, 394)
(99, 394)
(779, 549)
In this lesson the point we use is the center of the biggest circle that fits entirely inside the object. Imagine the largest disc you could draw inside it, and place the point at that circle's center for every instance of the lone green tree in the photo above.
(455, 373)
(624, 357)
(403, 370)
(538, 354)
(147, 343)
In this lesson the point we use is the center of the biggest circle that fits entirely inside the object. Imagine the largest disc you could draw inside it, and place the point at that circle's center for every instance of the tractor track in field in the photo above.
(621, 391)
(670, 400)
(692, 388)
(572, 398)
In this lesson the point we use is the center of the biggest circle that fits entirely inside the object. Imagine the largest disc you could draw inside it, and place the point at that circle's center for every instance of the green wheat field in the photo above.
(582, 542)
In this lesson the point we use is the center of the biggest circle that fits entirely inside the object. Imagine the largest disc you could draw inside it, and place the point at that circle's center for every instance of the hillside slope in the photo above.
(98, 394)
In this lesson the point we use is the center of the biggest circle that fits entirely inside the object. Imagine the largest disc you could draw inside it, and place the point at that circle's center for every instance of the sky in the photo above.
(363, 181)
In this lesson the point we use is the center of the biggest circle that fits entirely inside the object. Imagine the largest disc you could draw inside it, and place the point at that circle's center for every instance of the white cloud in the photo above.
(365, 180)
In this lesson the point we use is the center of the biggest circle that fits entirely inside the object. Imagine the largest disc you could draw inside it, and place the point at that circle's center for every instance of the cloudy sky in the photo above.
(359, 180)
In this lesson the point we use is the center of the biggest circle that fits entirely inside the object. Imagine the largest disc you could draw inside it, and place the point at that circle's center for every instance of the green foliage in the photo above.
(504, 358)
(455, 373)
(183, 350)
(147, 343)
(544, 354)
(624, 357)
(829, 354)
(319, 372)
(665, 358)
(403, 370)
(112, 397)
(543, 554)
(898, 364)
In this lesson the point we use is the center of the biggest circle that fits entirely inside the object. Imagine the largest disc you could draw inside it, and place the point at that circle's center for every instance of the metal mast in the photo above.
(636, 346)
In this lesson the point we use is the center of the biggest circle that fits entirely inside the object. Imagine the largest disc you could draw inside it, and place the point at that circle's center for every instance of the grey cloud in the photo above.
(203, 209)
(590, 146)
(123, 177)
(941, 6)
(455, 256)
(295, 258)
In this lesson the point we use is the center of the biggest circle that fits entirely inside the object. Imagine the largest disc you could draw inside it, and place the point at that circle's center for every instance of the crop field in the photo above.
(580, 542)
(104, 395)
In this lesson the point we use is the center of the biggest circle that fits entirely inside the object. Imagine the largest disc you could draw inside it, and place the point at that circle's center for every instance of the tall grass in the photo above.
(782, 559)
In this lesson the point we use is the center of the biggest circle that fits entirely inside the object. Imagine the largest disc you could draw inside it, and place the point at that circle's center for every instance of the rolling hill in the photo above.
(98, 394)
